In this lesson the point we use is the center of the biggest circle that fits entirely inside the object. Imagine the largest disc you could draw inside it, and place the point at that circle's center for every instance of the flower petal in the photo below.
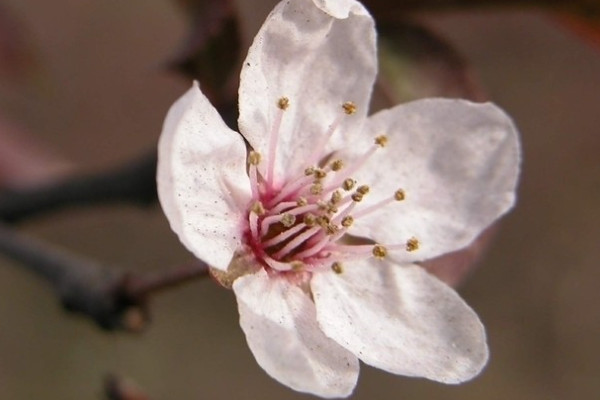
(202, 180)
(458, 164)
(315, 60)
(279, 321)
(402, 320)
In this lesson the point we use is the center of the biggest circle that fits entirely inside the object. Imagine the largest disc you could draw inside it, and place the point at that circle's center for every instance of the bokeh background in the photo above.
(96, 95)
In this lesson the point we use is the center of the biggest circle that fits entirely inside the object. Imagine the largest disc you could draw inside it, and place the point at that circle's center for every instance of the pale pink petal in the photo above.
(402, 320)
(318, 62)
(202, 182)
(280, 324)
(458, 164)
(341, 8)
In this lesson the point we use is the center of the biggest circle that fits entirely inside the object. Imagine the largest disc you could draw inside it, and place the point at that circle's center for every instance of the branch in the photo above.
(134, 182)
(114, 300)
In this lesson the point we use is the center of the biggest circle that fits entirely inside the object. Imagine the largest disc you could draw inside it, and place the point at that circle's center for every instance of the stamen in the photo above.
(381, 141)
(412, 244)
(363, 189)
(337, 267)
(347, 221)
(336, 165)
(297, 241)
(349, 107)
(257, 208)
(399, 195)
(283, 103)
(254, 158)
(283, 236)
(348, 184)
(379, 251)
(288, 220)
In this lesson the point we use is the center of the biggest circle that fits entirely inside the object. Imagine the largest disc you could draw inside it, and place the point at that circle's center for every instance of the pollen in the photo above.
(347, 221)
(379, 251)
(381, 140)
(337, 267)
(257, 208)
(349, 107)
(254, 158)
(399, 195)
(336, 165)
(412, 244)
(348, 184)
(283, 103)
(288, 220)
(363, 189)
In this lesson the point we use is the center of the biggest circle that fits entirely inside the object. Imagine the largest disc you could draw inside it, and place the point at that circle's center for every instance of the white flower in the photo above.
(324, 217)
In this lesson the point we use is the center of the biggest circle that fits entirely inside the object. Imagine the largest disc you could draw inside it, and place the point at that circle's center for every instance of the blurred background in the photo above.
(95, 91)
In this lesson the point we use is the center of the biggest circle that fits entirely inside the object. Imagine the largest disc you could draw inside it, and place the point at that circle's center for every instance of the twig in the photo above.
(134, 182)
(114, 300)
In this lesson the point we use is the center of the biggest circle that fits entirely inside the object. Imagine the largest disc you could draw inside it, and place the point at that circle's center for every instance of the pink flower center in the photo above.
(303, 223)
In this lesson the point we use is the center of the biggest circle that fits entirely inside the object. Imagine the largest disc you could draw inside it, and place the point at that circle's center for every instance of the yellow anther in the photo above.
(399, 195)
(336, 165)
(381, 141)
(412, 244)
(322, 221)
(379, 251)
(337, 267)
(297, 265)
(319, 173)
(288, 220)
(257, 208)
(363, 189)
(349, 107)
(316, 188)
(323, 205)
(332, 229)
(283, 103)
(347, 221)
(309, 171)
(357, 197)
(331, 208)
(309, 220)
(336, 197)
(301, 202)
(348, 184)
(254, 158)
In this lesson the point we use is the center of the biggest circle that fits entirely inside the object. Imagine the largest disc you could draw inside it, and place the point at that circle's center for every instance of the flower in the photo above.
(317, 227)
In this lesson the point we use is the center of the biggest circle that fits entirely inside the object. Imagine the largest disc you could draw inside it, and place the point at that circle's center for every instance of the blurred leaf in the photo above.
(211, 51)
(16, 53)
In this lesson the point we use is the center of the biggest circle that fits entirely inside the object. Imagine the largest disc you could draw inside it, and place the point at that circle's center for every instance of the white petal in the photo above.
(202, 181)
(282, 332)
(341, 8)
(458, 163)
(318, 62)
(402, 320)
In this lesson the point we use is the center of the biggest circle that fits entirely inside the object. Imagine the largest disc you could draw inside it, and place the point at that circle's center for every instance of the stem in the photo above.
(134, 182)
(115, 300)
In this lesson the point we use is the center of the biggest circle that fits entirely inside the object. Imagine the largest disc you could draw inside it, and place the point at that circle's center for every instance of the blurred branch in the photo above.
(134, 182)
(114, 300)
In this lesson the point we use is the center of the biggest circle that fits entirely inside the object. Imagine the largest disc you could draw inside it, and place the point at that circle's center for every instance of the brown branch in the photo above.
(134, 182)
(115, 300)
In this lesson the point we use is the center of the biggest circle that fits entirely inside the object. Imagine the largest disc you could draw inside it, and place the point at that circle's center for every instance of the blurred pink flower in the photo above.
(320, 223)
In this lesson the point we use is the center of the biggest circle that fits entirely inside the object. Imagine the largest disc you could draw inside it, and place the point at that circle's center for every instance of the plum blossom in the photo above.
(315, 214)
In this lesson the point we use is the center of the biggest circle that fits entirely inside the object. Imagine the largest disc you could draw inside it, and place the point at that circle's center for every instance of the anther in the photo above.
(283, 103)
(301, 202)
(257, 208)
(399, 195)
(309, 171)
(381, 140)
(309, 220)
(357, 197)
(319, 173)
(336, 197)
(254, 158)
(332, 229)
(337, 267)
(288, 220)
(297, 265)
(316, 188)
(379, 251)
(322, 221)
(363, 189)
(347, 221)
(412, 244)
(348, 184)
(336, 165)
(349, 107)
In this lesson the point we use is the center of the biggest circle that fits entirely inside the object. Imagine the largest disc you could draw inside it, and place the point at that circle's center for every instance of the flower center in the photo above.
(305, 223)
